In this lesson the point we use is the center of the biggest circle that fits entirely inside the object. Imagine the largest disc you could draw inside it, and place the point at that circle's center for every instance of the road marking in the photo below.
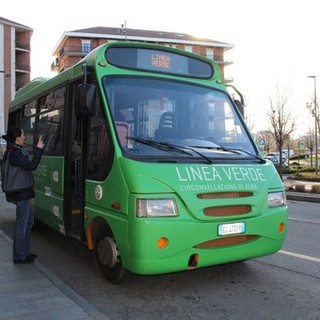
(301, 256)
(305, 220)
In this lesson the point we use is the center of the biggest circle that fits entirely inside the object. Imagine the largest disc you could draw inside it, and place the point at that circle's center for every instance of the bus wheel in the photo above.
(108, 257)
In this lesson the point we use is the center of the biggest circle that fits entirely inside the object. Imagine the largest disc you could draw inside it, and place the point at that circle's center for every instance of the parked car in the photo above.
(276, 160)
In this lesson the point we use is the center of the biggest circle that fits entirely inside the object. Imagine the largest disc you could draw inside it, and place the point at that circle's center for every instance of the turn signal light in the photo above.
(162, 243)
(281, 227)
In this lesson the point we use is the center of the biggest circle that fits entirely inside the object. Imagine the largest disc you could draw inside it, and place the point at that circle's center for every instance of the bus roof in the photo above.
(31, 85)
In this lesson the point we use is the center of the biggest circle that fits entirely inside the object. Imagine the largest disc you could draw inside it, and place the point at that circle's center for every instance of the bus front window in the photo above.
(155, 111)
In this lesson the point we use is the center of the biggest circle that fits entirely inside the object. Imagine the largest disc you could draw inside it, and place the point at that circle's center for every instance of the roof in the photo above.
(137, 34)
(145, 33)
(17, 25)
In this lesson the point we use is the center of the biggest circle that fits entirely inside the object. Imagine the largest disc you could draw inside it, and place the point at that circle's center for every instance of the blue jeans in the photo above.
(22, 229)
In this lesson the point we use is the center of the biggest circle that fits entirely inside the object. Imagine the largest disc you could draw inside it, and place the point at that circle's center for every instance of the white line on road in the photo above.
(301, 256)
(305, 220)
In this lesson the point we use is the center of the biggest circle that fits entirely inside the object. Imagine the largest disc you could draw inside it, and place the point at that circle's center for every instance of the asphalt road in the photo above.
(282, 286)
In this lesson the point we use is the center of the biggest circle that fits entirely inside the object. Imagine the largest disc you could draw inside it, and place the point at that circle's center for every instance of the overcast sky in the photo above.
(276, 42)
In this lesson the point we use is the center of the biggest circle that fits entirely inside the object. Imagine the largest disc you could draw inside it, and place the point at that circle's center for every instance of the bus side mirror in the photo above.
(86, 99)
(240, 106)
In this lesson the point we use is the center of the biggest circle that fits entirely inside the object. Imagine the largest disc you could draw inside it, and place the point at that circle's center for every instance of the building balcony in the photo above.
(23, 46)
(76, 51)
(23, 68)
(224, 62)
(69, 52)
(55, 66)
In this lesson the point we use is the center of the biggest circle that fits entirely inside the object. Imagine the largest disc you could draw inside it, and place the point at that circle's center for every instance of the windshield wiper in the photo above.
(198, 153)
(250, 154)
(168, 146)
(237, 151)
(159, 145)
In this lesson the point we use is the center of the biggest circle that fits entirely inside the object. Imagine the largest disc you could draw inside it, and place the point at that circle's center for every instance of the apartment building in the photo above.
(74, 45)
(15, 67)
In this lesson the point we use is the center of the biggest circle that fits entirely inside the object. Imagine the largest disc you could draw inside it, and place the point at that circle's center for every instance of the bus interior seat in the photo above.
(167, 126)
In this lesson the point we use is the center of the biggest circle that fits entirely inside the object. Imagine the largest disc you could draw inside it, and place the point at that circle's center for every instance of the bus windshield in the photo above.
(158, 118)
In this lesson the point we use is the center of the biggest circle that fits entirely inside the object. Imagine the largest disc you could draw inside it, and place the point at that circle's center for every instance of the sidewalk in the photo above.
(31, 292)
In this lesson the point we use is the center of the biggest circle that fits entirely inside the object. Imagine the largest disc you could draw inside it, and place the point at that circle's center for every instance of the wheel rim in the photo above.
(108, 253)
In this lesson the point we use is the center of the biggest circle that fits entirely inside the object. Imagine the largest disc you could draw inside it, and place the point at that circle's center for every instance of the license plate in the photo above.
(231, 228)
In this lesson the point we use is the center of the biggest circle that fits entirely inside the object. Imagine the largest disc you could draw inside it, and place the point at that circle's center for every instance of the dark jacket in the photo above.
(19, 159)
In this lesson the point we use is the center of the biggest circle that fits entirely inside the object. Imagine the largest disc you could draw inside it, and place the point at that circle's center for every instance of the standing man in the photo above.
(22, 199)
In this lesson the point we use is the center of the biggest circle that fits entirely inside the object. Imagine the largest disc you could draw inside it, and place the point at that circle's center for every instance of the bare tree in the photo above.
(281, 123)
(310, 143)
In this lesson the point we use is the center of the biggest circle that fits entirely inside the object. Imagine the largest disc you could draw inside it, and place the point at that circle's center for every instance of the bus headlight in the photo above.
(276, 199)
(156, 208)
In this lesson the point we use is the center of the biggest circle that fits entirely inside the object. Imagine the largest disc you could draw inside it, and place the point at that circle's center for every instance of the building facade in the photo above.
(15, 69)
(74, 45)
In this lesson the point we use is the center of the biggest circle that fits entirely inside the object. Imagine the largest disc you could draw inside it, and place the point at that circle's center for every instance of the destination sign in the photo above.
(159, 61)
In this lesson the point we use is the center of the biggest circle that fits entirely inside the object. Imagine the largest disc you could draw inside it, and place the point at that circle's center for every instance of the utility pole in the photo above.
(315, 113)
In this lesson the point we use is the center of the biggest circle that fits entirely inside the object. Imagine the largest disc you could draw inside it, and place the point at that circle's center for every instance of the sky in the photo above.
(276, 42)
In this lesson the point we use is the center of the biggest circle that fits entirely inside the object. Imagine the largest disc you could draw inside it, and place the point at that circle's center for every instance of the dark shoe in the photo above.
(30, 259)
(23, 261)
(32, 256)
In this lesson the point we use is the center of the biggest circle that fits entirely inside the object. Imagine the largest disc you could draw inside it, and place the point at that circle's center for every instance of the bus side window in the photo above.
(50, 122)
(28, 122)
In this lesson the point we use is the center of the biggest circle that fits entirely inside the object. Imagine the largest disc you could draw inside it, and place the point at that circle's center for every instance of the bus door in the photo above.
(91, 153)
(76, 191)
(75, 164)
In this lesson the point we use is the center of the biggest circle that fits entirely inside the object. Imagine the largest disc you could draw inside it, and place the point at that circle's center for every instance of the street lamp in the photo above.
(315, 118)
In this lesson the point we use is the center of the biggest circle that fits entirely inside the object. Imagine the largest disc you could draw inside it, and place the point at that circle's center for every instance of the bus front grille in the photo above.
(224, 195)
(225, 211)
(227, 241)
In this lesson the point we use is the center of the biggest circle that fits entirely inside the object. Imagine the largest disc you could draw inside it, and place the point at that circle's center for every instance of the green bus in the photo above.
(148, 162)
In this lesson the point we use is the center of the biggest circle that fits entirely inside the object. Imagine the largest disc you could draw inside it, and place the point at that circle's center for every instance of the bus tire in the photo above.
(108, 256)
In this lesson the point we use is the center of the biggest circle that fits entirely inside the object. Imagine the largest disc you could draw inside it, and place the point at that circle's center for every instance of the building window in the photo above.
(188, 48)
(210, 53)
(86, 46)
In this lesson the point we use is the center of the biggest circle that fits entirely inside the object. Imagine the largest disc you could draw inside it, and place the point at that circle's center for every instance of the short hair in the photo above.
(12, 133)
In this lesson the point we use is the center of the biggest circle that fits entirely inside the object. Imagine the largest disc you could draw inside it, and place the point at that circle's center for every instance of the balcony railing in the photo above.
(22, 67)
(23, 45)
(74, 50)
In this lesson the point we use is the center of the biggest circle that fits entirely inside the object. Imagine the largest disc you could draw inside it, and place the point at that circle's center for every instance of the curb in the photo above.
(303, 196)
